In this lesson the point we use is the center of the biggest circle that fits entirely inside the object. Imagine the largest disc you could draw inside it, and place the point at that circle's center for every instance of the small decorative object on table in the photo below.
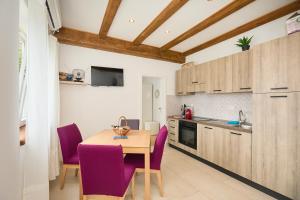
(244, 42)
(78, 75)
(121, 130)
(293, 23)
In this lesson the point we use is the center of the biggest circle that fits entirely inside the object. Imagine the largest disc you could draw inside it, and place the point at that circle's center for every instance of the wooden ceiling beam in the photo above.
(217, 16)
(173, 7)
(91, 40)
(109, 16)
(292, 7)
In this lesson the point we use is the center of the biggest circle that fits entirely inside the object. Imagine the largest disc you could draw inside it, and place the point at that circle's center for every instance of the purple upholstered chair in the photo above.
(134, 124)
(155, 157)
(69, 137)
(103, 172)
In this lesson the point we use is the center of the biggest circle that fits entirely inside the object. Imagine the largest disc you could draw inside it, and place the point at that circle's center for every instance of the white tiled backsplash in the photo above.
(218, 106)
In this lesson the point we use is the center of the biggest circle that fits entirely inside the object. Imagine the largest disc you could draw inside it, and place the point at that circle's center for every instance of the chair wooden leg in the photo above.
(160, 184)
(81, 196)
(133, 187)
(63, 176)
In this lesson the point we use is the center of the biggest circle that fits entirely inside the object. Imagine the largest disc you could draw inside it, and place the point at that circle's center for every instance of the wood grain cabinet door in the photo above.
(178, 84)
(241, 72)
(276, 65)
(239, 153)
(220, 76)
(184, 80)
(207, 143)
(190, 79)
(199, 77)
(276, 146)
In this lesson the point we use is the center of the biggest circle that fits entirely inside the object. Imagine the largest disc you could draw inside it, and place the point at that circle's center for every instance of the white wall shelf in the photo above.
(73, 83)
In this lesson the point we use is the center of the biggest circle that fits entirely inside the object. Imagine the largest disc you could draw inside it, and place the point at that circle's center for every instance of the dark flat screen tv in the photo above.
(105, 76)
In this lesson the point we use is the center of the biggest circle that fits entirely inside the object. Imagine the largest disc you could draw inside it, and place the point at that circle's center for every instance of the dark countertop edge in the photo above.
(208, 123)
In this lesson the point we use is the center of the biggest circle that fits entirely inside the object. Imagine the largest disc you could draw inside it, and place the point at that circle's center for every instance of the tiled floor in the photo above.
(184, 179)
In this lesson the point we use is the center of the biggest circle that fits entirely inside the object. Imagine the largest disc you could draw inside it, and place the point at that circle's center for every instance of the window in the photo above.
(22, 50)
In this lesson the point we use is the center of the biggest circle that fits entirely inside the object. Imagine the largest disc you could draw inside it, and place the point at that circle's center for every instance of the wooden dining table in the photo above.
(138, 142)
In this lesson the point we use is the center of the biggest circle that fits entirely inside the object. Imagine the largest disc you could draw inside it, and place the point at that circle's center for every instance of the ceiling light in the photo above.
(131, 20)
(167, 31)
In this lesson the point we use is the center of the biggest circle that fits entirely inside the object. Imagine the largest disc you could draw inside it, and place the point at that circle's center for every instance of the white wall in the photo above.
(97, 108)
(10, 186)
(227, 106)
(269, 31)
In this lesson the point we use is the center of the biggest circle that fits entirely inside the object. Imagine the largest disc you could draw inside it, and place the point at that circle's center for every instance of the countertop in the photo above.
(214, 122)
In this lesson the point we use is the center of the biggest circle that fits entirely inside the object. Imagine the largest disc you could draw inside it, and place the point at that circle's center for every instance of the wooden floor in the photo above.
(184, 179)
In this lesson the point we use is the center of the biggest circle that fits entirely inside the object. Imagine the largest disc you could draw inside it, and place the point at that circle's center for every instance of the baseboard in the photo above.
(36, 192)
(261, 188)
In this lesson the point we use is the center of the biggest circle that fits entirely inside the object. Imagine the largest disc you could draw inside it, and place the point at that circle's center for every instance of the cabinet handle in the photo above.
(172, 126)
(171, 133)
(233, 133)
(280, 88)
(245, 88)
(172, 140)
(282, 96)
(217, 90)
(195, 82)
(208, 127)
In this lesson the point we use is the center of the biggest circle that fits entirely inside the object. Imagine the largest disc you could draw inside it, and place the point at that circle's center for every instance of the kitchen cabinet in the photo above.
(206, 142)
(178, 85)
(237, 152)
(220, 76)
(241, 71)
(182, 81)
(172, 131)
(276, 65)
(199, 77)
(276, 142)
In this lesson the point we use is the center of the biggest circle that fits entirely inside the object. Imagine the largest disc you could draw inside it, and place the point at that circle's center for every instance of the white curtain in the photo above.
(53, 105)
(36, 154)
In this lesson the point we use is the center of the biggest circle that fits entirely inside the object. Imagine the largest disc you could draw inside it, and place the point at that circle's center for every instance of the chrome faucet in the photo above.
(242, 118)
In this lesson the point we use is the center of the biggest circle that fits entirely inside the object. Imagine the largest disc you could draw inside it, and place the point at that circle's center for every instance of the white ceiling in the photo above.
(188, 16)
(88, 15)
(84, 15)
(142, 11)
(240, 17)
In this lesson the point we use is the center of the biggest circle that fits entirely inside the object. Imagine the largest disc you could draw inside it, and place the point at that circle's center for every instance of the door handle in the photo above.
(280, 88)
(233, 133)
(208, 127)
(280, 96)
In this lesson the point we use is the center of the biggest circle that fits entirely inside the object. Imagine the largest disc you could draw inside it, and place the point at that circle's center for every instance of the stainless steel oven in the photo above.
(188, 134)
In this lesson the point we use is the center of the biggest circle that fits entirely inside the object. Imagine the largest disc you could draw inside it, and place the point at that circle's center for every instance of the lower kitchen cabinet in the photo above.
(206, 142)
(237, 152)
(172, 131)
(226, 148)
(276, 142)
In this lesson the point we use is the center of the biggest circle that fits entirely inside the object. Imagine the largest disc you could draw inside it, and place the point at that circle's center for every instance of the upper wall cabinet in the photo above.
(220, 76)
(198, 78)
(178, 87)
(276, 65)
(182, 81)
(241, 71)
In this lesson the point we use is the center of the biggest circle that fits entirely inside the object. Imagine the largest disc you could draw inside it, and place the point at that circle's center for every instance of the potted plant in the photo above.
(244, 42)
